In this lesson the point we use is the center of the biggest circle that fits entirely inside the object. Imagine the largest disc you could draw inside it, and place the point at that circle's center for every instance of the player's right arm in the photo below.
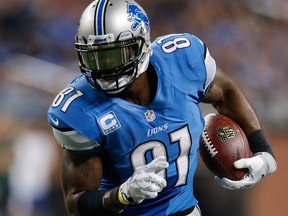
(81, 175)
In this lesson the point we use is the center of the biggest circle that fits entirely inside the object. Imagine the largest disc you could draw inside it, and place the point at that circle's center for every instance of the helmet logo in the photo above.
(137, 16)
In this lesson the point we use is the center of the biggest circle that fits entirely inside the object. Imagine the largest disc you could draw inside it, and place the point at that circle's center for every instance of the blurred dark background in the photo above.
(248, 40)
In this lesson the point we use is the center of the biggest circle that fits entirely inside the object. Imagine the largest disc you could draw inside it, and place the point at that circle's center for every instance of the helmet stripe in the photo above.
(100, 27)
(95, 17)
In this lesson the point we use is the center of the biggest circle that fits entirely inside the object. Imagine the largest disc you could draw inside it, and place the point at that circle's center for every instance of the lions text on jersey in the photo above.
(127, 135)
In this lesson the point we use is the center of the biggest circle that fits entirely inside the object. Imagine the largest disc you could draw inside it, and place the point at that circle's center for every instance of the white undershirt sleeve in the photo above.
(210, 68)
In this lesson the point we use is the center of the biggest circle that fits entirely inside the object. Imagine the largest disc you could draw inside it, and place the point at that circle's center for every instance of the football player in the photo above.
(130, 124)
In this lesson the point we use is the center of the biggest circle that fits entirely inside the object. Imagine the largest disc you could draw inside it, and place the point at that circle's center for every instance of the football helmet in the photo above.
(113, 43)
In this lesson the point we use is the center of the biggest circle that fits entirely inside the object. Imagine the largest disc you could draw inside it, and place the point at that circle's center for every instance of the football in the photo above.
(222, 143)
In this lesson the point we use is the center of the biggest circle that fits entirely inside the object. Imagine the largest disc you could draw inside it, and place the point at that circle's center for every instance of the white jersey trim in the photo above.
(73, 140)
(210, 68)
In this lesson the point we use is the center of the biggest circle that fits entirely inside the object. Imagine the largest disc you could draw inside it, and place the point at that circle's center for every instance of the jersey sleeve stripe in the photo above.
(210, 69)
(73, 140)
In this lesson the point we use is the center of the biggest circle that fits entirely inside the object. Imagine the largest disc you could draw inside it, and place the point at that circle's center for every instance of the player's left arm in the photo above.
(229, 100)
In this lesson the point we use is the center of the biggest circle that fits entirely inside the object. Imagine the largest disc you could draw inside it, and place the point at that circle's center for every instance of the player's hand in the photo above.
(259, 166)
(144, 183)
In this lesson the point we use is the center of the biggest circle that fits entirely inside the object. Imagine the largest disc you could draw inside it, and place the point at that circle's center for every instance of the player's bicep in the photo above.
(216, 91)
(80, 171)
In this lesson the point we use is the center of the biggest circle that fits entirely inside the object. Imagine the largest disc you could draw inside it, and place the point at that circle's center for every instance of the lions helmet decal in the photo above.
(137, 17)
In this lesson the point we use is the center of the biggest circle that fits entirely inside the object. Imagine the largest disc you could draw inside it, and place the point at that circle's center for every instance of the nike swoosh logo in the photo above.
(55, 122)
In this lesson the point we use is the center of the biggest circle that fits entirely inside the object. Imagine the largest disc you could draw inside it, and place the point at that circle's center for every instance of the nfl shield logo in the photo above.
(226, 132)
(150, 115)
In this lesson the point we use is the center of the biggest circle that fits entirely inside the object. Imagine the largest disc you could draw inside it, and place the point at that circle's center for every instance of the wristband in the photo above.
(122, 199)
(259, 143)
(115, 202)
(90, 202)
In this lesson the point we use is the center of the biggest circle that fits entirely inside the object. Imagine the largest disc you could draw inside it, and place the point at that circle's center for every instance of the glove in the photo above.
(259, 166)
(144, 183)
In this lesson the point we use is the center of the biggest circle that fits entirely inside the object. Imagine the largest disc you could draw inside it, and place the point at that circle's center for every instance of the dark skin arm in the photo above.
(79, 172)
(228, 100)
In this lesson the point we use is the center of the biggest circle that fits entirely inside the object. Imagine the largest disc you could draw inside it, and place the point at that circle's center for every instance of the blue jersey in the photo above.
(127, 135)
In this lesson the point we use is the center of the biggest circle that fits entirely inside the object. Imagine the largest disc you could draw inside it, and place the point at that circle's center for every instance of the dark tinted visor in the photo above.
(108, 56)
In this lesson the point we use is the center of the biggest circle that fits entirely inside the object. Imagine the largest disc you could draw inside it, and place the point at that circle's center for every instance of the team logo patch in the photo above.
(109, 123)
(137, 16)
(225, 133)
(150, 115)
